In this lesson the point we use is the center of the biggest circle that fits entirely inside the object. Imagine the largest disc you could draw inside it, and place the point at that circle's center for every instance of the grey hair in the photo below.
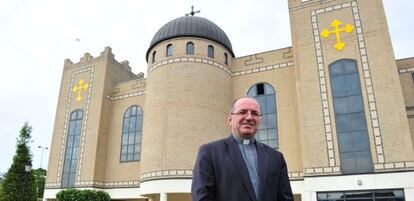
(235, 101)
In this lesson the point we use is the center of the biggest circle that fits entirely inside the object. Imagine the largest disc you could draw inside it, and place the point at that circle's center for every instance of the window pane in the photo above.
(124, 150)
(153, 56)
(272, 143)
(270, 104)
(123, 157)
(190, 48)
(210, 51)
(252, 91)
(271, 121)
(341, 105)
(130, 157)
(132, 123)
(169, 50)
(133, 110)
(335, 69)
(355, 104)
(349, 67)
(262, 103)
(125, 139)
(272, 134)
(263, 122)
(269, 89)
(338, 86)
(352, 84)
(126, 125)
(131, 138)
(261, 135)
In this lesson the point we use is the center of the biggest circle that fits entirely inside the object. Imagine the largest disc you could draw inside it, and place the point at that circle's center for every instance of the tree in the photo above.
(40, 178)
(19, 183)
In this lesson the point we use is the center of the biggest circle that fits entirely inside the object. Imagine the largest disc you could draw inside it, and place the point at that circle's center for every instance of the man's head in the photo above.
(244, 117)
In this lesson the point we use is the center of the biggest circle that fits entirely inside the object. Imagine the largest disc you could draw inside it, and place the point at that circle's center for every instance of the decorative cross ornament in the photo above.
(82, 86)
(192, 12)
(335, 24)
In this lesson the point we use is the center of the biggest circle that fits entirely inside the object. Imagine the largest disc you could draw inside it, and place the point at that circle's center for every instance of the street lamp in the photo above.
(41, 156)
(27, 169)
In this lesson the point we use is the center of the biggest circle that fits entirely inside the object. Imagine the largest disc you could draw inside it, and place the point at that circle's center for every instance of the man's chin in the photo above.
(247, 135)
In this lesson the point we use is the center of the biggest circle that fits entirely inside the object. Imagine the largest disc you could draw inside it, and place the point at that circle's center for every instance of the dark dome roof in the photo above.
(191, 26)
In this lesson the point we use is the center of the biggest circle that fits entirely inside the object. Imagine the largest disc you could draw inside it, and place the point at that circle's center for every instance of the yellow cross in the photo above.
(335, 23)
(82, 85)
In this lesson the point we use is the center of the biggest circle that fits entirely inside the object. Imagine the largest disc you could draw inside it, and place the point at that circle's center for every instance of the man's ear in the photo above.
(229, 119)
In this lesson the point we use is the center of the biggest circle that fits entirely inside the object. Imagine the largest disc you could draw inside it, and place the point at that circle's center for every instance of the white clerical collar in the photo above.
(243, 141)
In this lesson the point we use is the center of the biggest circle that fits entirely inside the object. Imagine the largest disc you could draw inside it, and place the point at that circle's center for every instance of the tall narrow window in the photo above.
(131, 134)
(169, 50)
(210, 51)
(190, 48)
(226, 59)
(153, 56)
(351, 127)
(265, 95)
(72, 146)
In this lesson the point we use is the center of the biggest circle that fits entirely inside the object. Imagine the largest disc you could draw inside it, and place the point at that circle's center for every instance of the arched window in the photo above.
(351, 127)
(131, 134)
(210, 51)
(226, 59)
(153, 56)
(265, 95)
(190, 48)
(72, 148)
(169, 50)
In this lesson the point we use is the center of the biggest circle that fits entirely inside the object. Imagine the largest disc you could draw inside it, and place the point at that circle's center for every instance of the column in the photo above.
(163, 196)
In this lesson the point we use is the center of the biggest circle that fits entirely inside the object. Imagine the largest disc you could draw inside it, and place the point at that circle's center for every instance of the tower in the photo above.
(188, 95)
(351, 111)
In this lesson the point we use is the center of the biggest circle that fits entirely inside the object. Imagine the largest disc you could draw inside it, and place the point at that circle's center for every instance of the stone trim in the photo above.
(402, 165)
(295, 175)
(129, 95)
(367, 78)
(316, 171)
(263, 68)
(84, 125)
(98, 184)
(188, 60)
(167, 174)
(408, 69)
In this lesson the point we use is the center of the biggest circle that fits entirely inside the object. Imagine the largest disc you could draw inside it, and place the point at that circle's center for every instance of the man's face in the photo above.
(244, 120)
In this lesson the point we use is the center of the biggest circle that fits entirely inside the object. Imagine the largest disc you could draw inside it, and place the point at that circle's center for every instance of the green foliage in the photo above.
(81, 195)
(40, 178)
(18, 184)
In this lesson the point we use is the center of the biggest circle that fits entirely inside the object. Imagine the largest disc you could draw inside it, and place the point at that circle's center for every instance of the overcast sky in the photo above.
(37, 36)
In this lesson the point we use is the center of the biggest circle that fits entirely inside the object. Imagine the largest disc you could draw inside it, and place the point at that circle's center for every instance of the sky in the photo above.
(36, 36)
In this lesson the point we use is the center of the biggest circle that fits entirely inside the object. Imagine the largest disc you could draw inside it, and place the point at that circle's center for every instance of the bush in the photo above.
(82, 195)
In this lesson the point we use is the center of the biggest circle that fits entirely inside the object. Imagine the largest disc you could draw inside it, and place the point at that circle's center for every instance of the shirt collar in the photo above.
(240, 140)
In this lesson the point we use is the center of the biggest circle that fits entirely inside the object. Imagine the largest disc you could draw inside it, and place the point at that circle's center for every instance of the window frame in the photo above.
(269, 94)
(169, 50)
(74, 133)
(345, 86)
(210, 51)
(136, 132)
(187, 50)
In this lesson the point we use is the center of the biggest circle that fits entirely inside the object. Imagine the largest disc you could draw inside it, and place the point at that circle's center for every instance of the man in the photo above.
(239, 168)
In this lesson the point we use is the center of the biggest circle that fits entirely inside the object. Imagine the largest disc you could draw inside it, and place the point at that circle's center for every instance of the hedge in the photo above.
(82, 195)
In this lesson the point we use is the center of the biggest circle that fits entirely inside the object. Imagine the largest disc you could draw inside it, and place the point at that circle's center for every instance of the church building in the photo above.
(337, 104)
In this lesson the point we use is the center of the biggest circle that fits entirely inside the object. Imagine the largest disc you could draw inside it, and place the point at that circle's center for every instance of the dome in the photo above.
(191, 26)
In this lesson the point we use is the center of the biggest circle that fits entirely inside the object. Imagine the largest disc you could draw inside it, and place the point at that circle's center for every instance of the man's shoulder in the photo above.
(270, 149)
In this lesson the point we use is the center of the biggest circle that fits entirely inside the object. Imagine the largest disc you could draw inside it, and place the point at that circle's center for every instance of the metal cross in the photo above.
(82, 85)
(192, 12)
(335, 23)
